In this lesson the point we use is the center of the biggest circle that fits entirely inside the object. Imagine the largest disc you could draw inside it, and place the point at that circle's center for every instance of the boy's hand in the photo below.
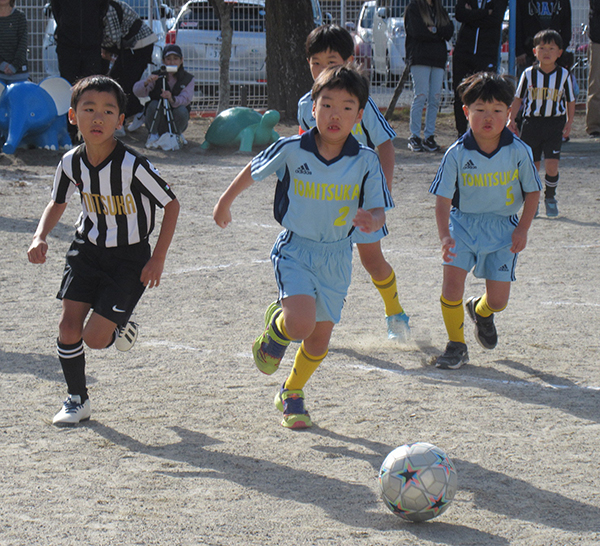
(222, 215)
(37, 251)
(519, 239)
(448, 243)
(364, 221)
(512, 127)
(152, 272)
(567, 129)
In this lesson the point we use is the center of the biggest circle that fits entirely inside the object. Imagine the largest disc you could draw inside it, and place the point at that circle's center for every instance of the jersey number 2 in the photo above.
(341, 219)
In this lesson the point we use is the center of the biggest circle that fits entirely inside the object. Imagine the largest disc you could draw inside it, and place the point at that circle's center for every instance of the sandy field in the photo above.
(184, 446)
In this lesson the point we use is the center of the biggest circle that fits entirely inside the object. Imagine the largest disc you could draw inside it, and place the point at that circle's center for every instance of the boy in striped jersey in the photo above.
(329, 186)
(546, 94)
(485, 178)
(330, 45)
(109, 263)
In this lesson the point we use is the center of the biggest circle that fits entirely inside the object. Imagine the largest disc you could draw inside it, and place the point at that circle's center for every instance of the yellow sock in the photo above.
(304, 366)
(280, 325)
(389, 293)
(454, 319)
(484, 309)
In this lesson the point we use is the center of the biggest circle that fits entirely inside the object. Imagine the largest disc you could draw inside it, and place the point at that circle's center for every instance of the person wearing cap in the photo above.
(178, 90)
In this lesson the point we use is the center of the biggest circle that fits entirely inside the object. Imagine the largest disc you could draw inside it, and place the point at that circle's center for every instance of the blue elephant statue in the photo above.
(35, 115)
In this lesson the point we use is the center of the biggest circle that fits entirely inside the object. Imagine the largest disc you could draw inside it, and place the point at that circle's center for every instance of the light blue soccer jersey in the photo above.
(318, 198)
(372, 131)
(481, 183)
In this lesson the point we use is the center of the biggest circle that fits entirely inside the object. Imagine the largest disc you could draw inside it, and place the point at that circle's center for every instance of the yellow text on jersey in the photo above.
(326, 192)
(490, 179)
(109, 205)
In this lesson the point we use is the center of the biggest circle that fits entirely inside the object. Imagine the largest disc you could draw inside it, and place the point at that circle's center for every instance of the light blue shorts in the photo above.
(360, 237)
(320, 270)
(483, 244)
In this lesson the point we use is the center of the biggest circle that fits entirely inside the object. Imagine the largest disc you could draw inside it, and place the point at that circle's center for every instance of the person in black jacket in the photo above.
(592, 117)
(477, 45)
(78, 37)
(428, 27)
(536, 15)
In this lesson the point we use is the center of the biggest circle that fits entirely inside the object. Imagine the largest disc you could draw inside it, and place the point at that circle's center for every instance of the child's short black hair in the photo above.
(345, 77)
(547, 36)
(332, 37)
(487, 86)
(101, 84)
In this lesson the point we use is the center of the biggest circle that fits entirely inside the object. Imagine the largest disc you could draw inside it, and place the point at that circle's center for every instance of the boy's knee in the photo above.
(96, 341)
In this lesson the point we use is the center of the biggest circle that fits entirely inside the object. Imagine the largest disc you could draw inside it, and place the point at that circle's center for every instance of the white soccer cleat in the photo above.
(73, 411)
(127, 336)
(137, 122)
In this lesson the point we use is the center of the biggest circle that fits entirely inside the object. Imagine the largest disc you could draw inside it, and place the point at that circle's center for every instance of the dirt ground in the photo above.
(184, 445)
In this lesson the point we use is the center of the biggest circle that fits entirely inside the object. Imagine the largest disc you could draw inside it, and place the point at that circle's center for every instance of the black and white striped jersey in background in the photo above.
(545, 95)
(118, 197)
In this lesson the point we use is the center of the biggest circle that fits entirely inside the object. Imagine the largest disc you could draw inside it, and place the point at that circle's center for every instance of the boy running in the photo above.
(329, 186)
(331, 45)
(109, 263)
(484, 179)
(546, 93)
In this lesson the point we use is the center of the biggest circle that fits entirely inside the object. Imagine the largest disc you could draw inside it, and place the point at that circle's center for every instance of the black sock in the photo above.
(72, 360)
(551, 184)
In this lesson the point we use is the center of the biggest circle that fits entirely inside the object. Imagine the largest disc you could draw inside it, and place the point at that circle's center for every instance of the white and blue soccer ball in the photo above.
(418, 481)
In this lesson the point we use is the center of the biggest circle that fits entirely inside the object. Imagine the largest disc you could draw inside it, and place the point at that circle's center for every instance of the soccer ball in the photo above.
(417, 481)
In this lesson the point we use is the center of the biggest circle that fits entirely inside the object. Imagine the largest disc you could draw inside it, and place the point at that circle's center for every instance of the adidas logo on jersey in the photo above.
(303, 169)
(469, 165)
(504, 267)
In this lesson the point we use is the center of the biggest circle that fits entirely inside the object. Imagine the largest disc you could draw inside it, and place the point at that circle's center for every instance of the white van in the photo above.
(388, 41)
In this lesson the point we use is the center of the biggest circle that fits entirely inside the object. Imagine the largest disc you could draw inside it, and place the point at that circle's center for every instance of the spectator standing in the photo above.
(78, 37)
(428, 27)
(13, 43)
(592, 117)
(533, 16)
(477, 45)
(132, 41)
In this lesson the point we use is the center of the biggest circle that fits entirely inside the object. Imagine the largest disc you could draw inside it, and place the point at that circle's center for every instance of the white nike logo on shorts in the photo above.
(117, 310)
(555, 152)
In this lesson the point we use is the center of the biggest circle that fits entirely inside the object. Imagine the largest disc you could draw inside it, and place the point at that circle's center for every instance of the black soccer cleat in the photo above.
(454, 356)
(485, 330)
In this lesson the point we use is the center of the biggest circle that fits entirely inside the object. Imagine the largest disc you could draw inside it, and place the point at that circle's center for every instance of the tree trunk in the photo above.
(288, 22)
(223, 9)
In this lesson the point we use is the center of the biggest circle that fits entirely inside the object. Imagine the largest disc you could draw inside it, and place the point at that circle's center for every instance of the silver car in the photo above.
(197, 31)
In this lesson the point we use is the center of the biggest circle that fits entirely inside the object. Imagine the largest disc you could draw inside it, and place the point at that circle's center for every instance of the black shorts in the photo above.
(106, 278)
(544, 136)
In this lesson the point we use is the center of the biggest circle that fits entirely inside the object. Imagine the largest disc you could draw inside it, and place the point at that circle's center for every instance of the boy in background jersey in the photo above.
(328, 187)
(330, 45)
(546, 93)
(483, 180)
(109, 263)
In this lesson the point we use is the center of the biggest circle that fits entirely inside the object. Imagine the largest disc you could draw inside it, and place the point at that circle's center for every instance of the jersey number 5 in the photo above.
(510, 198)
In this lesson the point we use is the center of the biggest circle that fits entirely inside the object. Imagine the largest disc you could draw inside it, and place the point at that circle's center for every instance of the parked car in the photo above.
(363, 36)
(197, 31)
(388, 41)
(161, 16)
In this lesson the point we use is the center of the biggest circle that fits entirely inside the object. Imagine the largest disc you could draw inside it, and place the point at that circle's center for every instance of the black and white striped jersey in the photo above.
(545, 95)
(118, 197)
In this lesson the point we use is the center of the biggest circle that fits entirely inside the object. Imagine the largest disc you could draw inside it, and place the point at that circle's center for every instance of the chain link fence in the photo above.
(195, 28)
